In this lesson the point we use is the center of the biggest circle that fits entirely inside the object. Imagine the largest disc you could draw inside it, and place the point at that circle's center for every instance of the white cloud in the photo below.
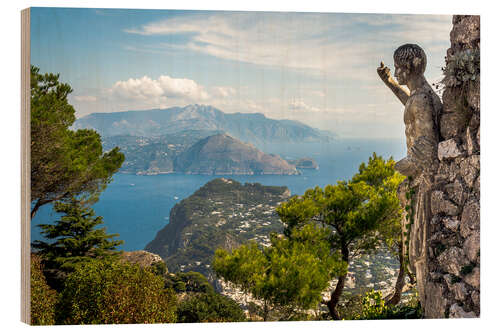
(300, 105)
(333, 44)
(163, 87)
(223, 91)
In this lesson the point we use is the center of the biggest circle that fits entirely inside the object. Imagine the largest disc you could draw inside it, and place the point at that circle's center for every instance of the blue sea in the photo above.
(137, 207)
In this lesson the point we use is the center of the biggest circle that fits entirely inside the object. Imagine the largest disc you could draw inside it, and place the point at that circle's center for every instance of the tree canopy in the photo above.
(64, 163)
(75, 240)
(289, 275)
(354, 211)
(382, 175)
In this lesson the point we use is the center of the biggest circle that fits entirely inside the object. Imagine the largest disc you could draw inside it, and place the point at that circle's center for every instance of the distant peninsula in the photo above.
(223, 213)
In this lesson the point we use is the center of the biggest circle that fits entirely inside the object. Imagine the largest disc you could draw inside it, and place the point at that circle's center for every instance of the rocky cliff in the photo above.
(141, 258)
(222, 214)
(452, 284)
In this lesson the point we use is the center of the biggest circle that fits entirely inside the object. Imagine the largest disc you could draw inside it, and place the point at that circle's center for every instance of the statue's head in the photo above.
(409, 60)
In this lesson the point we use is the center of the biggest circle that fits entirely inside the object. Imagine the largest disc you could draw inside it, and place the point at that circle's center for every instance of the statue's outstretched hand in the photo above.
(384, 72)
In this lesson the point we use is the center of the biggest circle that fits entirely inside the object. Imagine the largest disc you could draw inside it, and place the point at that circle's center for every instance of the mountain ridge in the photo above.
(248, 127)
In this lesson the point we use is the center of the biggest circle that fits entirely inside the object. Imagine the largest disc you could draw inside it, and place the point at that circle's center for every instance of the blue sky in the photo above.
(316, 68)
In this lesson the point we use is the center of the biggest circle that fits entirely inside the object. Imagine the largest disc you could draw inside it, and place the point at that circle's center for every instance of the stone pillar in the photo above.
(451, 286)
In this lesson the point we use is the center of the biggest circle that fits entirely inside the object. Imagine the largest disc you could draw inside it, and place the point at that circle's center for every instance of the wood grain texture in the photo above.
(25, 166)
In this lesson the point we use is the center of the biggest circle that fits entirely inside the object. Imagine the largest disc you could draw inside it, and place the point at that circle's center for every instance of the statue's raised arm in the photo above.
(385, 75)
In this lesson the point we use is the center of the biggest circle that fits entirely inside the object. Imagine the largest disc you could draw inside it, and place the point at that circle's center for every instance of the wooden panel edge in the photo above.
(25, 167)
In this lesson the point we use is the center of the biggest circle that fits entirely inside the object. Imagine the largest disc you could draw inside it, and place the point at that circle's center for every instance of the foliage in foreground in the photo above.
(113, 292)
(360, 214)
(373, 306)
(64, 163)
(199, 302)
(290, 274)
(75, 240)
(43, 298)
(209, 307)
(188, 282)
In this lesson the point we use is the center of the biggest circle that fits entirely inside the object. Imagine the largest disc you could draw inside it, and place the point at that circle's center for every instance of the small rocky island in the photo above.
(304, 163)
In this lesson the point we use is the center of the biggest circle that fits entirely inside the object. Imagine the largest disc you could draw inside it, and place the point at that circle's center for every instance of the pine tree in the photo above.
(355, 212)
(76, 240)
(288, 276)
(382, 175)
(64, 163)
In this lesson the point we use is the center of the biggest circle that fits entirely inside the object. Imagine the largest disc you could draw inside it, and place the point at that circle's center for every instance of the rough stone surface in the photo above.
(441, 205)
(471, 246)
(473, 96)
(469, 169)
(475, 122)
(452, 260)
(477, 187)
(465, 33)
(453, 124)
(454, 240)
(455, 191)
(451, 223)
(470, 219)
(456, 311)
(473, 278)
(475, 298)
(448, 150)
(142, 258)
(459, 291)
(470, 142)
(478, 139)
(435, 302)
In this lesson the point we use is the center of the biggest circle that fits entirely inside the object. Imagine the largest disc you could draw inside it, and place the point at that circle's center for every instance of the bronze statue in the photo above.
(421, 112)
(422, 107)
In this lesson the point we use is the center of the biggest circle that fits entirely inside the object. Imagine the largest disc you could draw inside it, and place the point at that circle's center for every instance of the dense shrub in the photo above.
(113, 292)
(372, 306)
(188, 282)
(43, 298)
(209, 307)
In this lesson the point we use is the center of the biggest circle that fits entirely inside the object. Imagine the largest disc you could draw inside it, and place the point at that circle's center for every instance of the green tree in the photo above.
(43, 298)
(76, 239)
(354, 211)
(113, 292)
(289, 275)
(64, 163)
(188, 282)
(382, 175)
(209, 307)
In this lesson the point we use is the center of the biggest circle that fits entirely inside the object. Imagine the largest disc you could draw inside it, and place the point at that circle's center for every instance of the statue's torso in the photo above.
(420, 115)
